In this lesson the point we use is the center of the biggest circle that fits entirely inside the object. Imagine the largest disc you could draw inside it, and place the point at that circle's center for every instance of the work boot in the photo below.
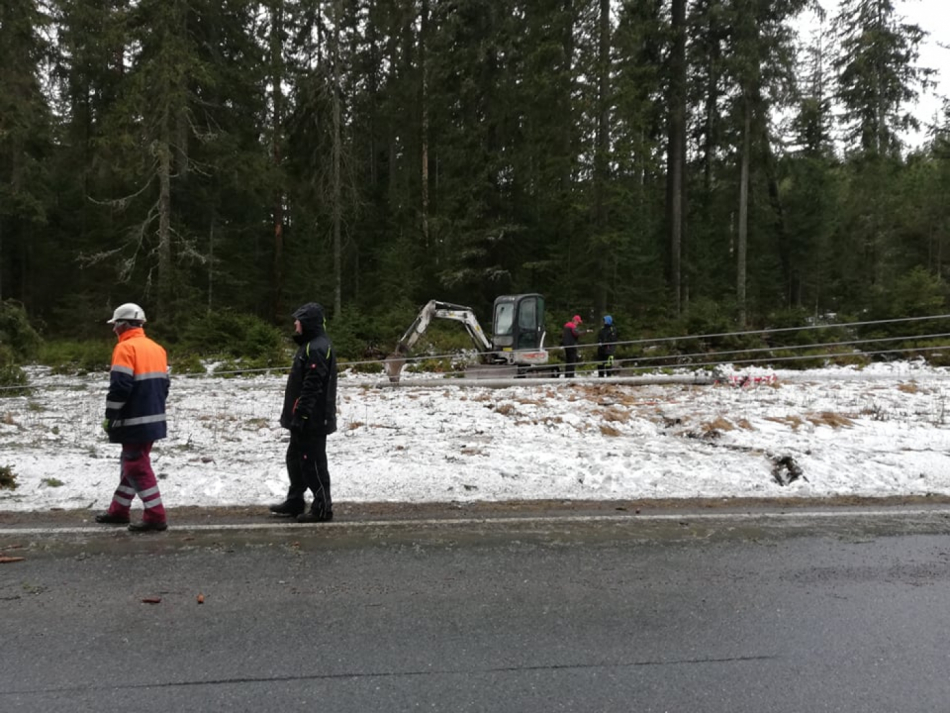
(148, 526)
(105, 518)
(293, 508)
(316, 516)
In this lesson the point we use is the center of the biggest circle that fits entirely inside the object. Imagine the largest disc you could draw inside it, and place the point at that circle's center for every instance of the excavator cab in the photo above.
(518, 322)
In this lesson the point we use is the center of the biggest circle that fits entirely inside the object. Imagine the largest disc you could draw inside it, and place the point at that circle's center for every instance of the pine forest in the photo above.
(687, 166)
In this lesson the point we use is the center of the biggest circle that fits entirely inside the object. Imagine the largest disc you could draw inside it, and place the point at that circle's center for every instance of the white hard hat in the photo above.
(129, 312)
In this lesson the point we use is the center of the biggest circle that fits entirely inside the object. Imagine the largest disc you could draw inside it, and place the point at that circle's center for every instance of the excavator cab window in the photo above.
(530, 322)
(528, 315)
(504, 319)
(518, 322)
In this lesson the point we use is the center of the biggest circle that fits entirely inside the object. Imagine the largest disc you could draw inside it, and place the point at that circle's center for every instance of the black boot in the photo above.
(322, 514)
(293, 508)
(148, 526)
(106, 518)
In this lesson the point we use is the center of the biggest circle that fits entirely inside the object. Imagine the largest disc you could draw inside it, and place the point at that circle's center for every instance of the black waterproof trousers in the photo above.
(570, 361)
(307, 469)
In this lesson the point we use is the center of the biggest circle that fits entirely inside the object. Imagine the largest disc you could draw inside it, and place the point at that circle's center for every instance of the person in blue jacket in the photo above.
(607, 339)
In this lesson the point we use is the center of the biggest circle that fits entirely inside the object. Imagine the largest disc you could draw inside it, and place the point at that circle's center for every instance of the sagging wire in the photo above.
(693, 337)
(777, 330)
(626, 366)
(634, 363)
(793, 347)
(685, 356)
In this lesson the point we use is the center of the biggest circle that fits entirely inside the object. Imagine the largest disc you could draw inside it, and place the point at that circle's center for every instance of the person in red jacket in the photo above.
(569, 338)
(135, 418)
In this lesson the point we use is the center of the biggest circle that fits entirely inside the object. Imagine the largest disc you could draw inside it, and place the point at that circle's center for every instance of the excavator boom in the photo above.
(443, 310)
(435, 309)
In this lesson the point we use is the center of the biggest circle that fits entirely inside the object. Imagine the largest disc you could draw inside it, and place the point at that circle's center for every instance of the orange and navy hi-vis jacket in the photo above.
(138, 388)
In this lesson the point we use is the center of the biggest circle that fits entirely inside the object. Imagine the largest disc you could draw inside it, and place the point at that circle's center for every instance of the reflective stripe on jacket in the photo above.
(311, 386)
(138, 389)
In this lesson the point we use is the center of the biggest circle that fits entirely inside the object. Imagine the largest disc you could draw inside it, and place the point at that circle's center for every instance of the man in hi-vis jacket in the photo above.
(135, 418)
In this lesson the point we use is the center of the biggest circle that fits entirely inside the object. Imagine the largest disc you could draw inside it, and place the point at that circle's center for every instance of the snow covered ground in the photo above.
(881, 431)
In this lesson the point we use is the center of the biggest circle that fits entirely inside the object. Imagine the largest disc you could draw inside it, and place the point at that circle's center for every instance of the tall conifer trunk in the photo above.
(337, 193)
(743, 235)
(423, 39)
(602, 150)
(277, 80)
(677, 151)
(164, 149)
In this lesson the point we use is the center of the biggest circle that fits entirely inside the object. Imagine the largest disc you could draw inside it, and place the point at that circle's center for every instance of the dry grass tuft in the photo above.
(353, 425)
(505, 409)
(910, 388)
(609, 394)
(827, 418)
(609, 430)
(8, 419)
(718, 424)
(615, 415)
(546, 421)
(529, 402)
(794, 421)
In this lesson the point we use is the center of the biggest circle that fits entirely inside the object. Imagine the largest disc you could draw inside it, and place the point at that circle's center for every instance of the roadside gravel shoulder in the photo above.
(395, 511)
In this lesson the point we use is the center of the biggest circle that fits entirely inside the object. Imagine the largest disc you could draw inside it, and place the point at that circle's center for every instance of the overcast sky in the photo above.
(933, 16)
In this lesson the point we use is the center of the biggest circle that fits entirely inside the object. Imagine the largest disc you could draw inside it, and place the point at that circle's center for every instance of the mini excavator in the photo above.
(516, 347)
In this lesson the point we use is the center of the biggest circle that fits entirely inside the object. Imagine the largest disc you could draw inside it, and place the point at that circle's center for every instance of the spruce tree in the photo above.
(25, 146)
(878, 75)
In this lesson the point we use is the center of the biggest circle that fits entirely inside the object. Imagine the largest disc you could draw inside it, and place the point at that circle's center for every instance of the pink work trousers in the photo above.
(137, 478)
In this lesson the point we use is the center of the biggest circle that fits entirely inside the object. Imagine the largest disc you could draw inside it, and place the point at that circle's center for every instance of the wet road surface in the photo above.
(546, 607)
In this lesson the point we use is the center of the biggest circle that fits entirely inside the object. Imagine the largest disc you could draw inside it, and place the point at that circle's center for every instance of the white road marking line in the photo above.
(528, 520)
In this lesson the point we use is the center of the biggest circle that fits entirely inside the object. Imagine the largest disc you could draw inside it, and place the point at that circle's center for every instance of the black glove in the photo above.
(298, 425)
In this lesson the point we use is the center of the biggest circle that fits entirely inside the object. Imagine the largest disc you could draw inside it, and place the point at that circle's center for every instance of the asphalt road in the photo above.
(804, 610)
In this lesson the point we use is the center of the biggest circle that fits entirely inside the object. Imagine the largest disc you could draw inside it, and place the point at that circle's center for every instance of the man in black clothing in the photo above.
(606, 346)
(309, 414)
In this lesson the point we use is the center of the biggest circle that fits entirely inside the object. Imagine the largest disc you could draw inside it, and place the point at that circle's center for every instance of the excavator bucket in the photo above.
(393, 365)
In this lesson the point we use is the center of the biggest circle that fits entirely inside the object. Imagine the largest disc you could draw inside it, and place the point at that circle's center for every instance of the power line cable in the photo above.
(453, 356)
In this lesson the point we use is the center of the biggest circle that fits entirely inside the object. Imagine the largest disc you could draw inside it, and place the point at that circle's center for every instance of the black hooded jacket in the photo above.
(311, 386)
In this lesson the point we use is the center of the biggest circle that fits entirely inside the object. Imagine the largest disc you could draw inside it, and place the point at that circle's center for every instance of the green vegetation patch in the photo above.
(13, 379)
(7, 478)
(16, 333)
(77, 357)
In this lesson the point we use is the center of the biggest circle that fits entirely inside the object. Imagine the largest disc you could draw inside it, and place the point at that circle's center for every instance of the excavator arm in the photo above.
(443, 310)
(435, 310)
